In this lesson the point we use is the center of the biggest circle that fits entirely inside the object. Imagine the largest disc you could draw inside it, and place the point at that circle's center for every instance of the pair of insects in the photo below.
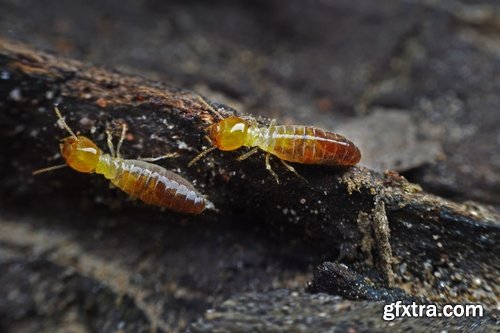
(157, 186)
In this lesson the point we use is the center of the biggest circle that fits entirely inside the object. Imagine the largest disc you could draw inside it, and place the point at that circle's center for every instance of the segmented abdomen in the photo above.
(310, 145)
(157, 186)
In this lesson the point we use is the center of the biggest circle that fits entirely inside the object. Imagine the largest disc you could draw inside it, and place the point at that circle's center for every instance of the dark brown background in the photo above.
(415, 83)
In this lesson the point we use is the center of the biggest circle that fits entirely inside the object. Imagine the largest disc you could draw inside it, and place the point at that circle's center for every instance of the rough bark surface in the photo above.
(427, 234)
(76, 255)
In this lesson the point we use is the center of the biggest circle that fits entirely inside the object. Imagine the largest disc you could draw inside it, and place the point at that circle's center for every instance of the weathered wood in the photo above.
(285, 311)
(418, 241)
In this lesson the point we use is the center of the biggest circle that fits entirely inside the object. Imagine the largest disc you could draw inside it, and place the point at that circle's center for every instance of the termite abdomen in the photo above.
(310, 145)
(157, 186)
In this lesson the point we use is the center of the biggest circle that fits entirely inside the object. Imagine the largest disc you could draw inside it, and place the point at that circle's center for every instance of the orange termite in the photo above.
(292, 143)
(152, 184)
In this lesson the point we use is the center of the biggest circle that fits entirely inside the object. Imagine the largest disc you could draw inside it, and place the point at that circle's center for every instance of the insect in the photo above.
(290, 143)
(150, 183)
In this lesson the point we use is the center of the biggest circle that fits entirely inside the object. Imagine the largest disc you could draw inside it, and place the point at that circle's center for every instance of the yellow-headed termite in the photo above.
(292, 143)
(150, 183)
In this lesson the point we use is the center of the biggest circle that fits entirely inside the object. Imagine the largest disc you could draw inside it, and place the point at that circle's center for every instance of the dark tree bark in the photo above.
(385, 228)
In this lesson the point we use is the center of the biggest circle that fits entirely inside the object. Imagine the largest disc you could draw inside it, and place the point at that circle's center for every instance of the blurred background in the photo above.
(414, 83)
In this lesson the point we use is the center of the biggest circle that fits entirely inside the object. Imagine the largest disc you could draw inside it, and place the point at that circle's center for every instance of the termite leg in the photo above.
(110, 143)
(154, 159)
(122, 137)
(248, 154)
(268, 168)
(292, 169)
(273, 122)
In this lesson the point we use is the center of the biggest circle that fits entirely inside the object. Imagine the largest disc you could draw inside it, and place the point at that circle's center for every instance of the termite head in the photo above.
(80, 153)
(229, 133)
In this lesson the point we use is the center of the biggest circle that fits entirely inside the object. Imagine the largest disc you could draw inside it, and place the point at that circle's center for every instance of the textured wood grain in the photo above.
(341, 214)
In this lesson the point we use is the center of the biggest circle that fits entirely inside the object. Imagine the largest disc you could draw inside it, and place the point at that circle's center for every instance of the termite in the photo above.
(290, 143)
(148, 182)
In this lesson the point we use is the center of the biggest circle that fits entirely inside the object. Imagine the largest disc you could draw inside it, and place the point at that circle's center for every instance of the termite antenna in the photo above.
(201, 155)
(51, 168)
(63, 122)
(210, 107)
